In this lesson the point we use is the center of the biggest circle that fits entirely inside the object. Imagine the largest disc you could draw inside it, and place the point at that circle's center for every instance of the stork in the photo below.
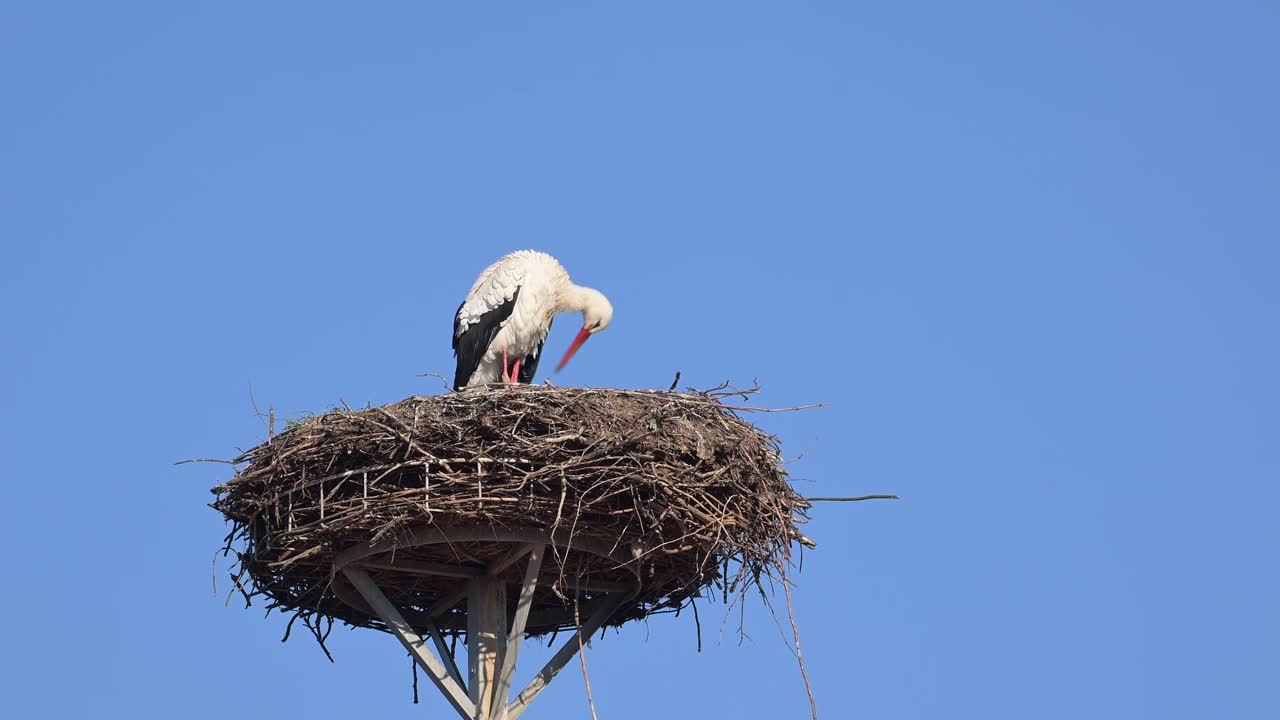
(499, 329)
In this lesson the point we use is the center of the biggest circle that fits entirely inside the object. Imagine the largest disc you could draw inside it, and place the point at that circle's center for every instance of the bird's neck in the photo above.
(573, 298)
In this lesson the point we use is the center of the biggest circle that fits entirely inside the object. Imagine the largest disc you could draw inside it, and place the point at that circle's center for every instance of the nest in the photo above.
(665, 496)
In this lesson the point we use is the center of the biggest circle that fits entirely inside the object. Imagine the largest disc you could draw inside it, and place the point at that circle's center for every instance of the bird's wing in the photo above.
(479, 318)
(472, 339)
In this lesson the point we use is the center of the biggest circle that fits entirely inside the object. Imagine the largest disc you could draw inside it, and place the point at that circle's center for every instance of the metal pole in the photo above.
(486, 641)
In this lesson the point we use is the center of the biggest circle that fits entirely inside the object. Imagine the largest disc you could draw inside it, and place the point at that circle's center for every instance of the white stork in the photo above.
(500, 328)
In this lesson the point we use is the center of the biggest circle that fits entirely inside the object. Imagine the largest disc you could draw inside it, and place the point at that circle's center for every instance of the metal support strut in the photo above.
(493, 644)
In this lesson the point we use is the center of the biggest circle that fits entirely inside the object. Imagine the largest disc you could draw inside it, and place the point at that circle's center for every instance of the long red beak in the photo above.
(583, 334)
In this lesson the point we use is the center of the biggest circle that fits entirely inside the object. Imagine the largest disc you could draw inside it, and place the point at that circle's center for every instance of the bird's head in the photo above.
(597, 313)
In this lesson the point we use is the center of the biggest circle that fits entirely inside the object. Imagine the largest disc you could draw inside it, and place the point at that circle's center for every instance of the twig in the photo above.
(443, 380)
(852, 499)
(258, 412)
(774, 410)
(288, 629)
(582, 655)
(697, 622)
(414, 663)
(675, 382)
(795, 633)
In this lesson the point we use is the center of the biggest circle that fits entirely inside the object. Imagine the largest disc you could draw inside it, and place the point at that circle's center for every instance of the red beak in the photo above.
(583, 334)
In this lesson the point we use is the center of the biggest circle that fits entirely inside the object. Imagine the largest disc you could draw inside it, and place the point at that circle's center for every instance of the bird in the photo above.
(500, 327)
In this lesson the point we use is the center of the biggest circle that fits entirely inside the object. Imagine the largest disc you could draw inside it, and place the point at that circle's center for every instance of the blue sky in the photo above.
(1028, 252)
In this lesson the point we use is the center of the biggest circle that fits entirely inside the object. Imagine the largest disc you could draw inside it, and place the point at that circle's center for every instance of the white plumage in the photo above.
(499, 329)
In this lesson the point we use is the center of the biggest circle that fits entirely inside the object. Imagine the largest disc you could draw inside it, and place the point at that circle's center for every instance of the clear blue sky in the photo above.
(1028, 252)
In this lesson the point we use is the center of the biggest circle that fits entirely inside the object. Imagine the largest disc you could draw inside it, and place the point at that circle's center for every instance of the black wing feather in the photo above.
(471, 345)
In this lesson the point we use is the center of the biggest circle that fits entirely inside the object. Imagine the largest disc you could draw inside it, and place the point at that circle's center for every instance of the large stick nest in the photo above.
(681, 493)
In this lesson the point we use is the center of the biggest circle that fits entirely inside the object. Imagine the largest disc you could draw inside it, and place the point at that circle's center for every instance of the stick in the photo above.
(852, 499)
(795, 633)
(582, 655)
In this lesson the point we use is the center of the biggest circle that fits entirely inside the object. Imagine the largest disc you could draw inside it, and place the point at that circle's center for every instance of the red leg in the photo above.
(505, 377)
(515, 371)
